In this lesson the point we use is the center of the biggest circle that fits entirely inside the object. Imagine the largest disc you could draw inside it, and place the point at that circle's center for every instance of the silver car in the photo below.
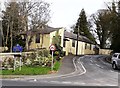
(116, 60)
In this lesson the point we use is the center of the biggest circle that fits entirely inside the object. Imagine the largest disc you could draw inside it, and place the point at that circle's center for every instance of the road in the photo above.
(90, 70)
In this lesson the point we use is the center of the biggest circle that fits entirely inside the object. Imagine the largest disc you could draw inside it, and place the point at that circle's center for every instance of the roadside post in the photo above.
(18, 48)
(52, 48)
(14, 63)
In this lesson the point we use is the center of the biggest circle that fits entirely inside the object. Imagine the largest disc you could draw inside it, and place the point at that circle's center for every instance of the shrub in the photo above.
(46, 53)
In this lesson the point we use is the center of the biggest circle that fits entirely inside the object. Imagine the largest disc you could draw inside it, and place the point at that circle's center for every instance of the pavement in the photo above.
(66, 67)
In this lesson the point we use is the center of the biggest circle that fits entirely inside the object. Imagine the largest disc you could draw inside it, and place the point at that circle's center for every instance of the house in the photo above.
(85, 46)
(43, 39)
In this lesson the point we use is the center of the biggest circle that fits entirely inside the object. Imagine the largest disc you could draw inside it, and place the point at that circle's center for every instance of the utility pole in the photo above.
(77, 41)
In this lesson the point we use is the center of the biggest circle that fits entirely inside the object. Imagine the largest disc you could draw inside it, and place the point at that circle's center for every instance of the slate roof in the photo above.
(74, 36)
(46, 30)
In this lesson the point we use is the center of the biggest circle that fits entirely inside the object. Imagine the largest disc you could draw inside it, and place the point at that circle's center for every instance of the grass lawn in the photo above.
(57, 66)
(35, 70)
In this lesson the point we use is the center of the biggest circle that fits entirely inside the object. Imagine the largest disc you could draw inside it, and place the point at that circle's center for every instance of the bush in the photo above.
(46, 53)
(8, 62)
(39, 58)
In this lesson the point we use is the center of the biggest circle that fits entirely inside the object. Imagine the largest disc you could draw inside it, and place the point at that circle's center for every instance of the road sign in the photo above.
(17, 48)
(52, 47)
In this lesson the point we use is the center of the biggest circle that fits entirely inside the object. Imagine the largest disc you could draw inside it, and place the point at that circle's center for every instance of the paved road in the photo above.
(89, 71)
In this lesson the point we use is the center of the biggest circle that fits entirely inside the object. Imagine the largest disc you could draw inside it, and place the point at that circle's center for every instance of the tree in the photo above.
(34, 15)
(105, 21)
(23, 16)
(10, 24)
(57, 42)
(83, 26)
(116, 32)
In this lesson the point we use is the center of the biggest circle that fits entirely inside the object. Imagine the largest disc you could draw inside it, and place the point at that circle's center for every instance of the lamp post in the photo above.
(77, 41)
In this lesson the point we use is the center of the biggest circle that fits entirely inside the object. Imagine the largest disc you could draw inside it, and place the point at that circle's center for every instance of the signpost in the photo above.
(18, 48)
(52, 48)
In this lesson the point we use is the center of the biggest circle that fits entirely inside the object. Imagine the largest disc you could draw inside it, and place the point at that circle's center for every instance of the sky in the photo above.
(64, 13)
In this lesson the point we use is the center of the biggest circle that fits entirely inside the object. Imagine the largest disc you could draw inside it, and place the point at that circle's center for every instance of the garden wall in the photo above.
(105, 51)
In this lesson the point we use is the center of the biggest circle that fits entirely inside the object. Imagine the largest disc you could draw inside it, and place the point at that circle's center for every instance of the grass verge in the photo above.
(29, 70)
(25, 70)
(57, 65)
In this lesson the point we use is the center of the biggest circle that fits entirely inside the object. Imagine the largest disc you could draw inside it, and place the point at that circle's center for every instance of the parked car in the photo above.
(116, 60)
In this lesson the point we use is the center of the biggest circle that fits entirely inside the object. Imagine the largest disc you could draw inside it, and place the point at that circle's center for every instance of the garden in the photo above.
(36, 63)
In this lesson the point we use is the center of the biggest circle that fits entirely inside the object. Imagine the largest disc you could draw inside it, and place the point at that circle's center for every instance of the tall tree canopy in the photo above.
(82, 26)
(11, 24)
(105, 21)
(115, 44)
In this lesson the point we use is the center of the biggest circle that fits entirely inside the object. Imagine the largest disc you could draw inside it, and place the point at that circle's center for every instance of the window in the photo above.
(115, 55)
(37, 38)
(119, 56)
(73, 43)
(90, 47)
(64, 42)
(60, 40)
(85, 45)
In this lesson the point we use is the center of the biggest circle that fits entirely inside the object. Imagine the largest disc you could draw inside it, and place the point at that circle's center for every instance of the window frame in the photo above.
(64, 43)
(73, 43)
(85, 45)
(115, 55)
(119, 56)
(37, 39)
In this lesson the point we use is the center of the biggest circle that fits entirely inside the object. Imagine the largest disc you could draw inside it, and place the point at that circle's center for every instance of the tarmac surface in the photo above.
(86, 72)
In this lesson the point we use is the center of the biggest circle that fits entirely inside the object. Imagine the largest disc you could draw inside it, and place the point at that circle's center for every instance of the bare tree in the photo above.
(34, 15)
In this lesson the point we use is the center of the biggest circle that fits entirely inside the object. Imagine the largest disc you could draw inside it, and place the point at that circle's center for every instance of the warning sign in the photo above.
(52, 47)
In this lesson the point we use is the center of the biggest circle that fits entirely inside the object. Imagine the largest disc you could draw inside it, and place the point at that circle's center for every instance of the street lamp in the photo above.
(77, 40)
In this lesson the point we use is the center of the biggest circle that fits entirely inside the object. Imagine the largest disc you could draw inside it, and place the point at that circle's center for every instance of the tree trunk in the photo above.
(11, 28)
(7, 34)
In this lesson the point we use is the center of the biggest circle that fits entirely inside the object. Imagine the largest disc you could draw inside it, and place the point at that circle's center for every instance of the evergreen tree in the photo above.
(11, 24)
(83, 26)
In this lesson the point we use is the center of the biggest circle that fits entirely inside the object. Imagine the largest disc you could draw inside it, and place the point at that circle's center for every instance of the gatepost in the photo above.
(18, 48)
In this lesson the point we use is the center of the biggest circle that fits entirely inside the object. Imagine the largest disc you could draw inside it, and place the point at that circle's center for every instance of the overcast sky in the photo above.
(65, 13)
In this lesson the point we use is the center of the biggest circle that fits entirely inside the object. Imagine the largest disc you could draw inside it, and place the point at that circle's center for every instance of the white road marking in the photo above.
(55, 81)
(90, 64)
(97, 65)
(66, 82)
(79, 83)
(91, 61)
(35, 80)
(111, 71)
(84, 70)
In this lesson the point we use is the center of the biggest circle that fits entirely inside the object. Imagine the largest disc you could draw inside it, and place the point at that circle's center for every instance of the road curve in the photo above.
(90, 70)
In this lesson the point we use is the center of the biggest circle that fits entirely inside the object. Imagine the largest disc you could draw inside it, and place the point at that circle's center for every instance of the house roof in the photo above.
(45, 30)
(48, 29)
(74, 36)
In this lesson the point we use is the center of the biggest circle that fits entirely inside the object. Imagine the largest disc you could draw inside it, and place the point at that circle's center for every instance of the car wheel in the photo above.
(114, 66)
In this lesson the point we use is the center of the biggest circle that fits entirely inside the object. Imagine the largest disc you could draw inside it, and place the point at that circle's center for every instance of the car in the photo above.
(116, 61)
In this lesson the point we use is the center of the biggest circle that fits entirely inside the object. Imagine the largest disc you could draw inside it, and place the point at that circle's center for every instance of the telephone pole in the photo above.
(77, 41)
